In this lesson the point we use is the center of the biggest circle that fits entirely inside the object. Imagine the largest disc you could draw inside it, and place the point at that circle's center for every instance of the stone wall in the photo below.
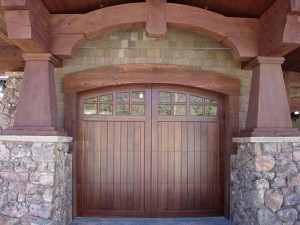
(177, 47)
(8, 103)
(35, 181)
(266, 181)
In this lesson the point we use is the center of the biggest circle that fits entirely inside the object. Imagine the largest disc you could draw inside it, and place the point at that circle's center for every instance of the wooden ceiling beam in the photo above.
(156, 24)
(11, 59)
(295, 5)
(27, 24)
(279, 28)
(10, 53)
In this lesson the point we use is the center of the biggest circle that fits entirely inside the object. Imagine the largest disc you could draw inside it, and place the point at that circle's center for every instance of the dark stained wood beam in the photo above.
(156, 25)
(3, 28)
(153, 74)
(27, 24)
(279, 28)
(10, 53)
(295, 104)
(11, 65)
(11, 59)
(240, 34)
(295, 5)
(100, 21)
(291, 62)
(65, 45)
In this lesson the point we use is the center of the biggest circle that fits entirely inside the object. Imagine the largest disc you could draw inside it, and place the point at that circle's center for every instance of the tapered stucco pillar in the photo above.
(268, 112)
(37, 107)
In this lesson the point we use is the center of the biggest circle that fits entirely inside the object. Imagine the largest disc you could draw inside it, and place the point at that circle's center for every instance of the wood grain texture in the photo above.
(268, 92)
(37, 111)
(240, 34)
(280, 35)
(27, 24)
(243, 42)
(184, 164)
(100, 21)
(227, 8)
(156, 24)
(151, 73)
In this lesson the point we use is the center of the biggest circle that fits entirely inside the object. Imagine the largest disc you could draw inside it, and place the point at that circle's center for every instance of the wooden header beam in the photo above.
(238, 33)
(152, 74)
(34, 30)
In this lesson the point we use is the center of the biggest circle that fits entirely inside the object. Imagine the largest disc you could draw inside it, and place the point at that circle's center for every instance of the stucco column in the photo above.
(37, 107)
(268, 112)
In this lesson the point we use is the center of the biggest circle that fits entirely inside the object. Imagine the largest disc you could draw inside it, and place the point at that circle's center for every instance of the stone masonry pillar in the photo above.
(268, 112)
(37, 107)
(265, 181)
(35, 180)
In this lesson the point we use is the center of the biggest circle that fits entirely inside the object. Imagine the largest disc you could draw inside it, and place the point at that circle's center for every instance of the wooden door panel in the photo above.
(112, 177)
(187, 170)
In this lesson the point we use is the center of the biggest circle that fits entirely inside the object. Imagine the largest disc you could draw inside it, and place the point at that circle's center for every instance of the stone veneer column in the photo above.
(265, 181)
(35, 180)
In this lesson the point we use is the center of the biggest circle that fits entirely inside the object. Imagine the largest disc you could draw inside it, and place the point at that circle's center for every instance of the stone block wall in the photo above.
(266, 181)
(8, 104)
(35, 181)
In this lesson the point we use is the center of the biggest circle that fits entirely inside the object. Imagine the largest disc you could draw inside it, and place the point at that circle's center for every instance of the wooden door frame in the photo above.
(228, 87)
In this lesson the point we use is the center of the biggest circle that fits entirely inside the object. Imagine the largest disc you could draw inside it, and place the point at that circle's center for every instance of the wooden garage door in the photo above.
(149, 151)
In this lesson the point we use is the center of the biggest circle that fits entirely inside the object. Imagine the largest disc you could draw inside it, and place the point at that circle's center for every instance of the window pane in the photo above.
(164, 110)
(123, 97)
(90, 109)
(122, 109)
(164, 96)
(196, 110)
(105, 109)
(210, 101)
(211, 110)
(95, 99)
(138, 96)
(177, 97)
(106, 98)
(195, 99)
(137, 110)
(179, 110)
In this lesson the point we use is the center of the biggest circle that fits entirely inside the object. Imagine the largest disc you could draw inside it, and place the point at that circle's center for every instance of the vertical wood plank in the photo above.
(117, 166)
(171, 167)
(124, 154)
(137, 161)
(103, 164)
(130, 166)
(110, 165)
(177, 160)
